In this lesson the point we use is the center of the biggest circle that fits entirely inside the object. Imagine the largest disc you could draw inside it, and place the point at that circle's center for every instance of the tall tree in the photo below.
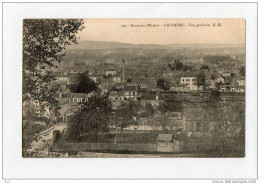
(223, 125)
(44, 42)
(92, 119)
(163, 84)
(242, 71)
(84, 84)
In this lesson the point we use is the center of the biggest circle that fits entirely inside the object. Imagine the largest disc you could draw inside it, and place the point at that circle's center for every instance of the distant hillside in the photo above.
(86, 45)
(111, 45)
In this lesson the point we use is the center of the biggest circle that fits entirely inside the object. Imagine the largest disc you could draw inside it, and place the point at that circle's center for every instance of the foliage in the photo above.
(84, 84)
(204, 67)
(126, 112)
(170, 106)
(216, 59)
(201, 79)
(233, 74)
(160, 120)
(92, 119)
(163, 84)
(226, 126)
(213, 77)
(44, 41)
(215, 96)
(242, 71)
(148, 111)
(186, 68)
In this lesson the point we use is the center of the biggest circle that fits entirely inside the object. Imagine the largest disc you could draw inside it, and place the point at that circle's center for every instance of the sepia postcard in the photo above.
(133, 88)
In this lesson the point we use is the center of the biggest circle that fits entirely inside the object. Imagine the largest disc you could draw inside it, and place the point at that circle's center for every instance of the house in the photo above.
(241, 82)
(131, 92)
(225, 88)
(116, 96)
(93, 78)
(111, 72)
(143, 85)
(117, 79)
(104, 88)
(220, 79)
(179, 88)
(192, 60)
(61, 77)
(241, 89)
(226, 74)
(233, 88)
(167, 143)
(212, 84)
(78, 97)
(191, 83)
(108, 82)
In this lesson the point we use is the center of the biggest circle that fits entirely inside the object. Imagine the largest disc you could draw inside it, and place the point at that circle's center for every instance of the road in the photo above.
(114, 155)
(47, 136)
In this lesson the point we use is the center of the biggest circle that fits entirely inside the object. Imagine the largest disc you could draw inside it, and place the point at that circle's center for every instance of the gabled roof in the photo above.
(79, 95)
(164, 137)
(130, 88)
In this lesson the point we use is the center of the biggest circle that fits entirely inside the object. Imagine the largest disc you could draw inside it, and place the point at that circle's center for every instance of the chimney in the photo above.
(123, 73)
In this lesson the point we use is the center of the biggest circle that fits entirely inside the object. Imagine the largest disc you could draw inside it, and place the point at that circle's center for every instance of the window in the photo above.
(193, 79)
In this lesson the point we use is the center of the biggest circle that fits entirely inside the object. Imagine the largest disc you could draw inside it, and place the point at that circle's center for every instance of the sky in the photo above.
(170, 31)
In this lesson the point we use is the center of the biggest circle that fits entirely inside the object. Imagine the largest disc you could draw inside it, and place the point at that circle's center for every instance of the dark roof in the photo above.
(130, 88)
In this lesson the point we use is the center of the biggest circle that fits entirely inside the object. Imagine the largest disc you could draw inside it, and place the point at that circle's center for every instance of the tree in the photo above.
(233, 74)
(223, 126)
(227, 124)
(129, 80)
(124, 115)
(148, 111)
(179, 65)
(215, 96)
(84, 84)
(201, 79)
(92, 119)
(44, 42)
(163, 84)
(204, 67)
(186, 68)
(242, 71)
(160, 120)
(126, 112)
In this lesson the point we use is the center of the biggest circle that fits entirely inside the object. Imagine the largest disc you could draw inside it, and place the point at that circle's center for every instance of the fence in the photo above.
(111, 147)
